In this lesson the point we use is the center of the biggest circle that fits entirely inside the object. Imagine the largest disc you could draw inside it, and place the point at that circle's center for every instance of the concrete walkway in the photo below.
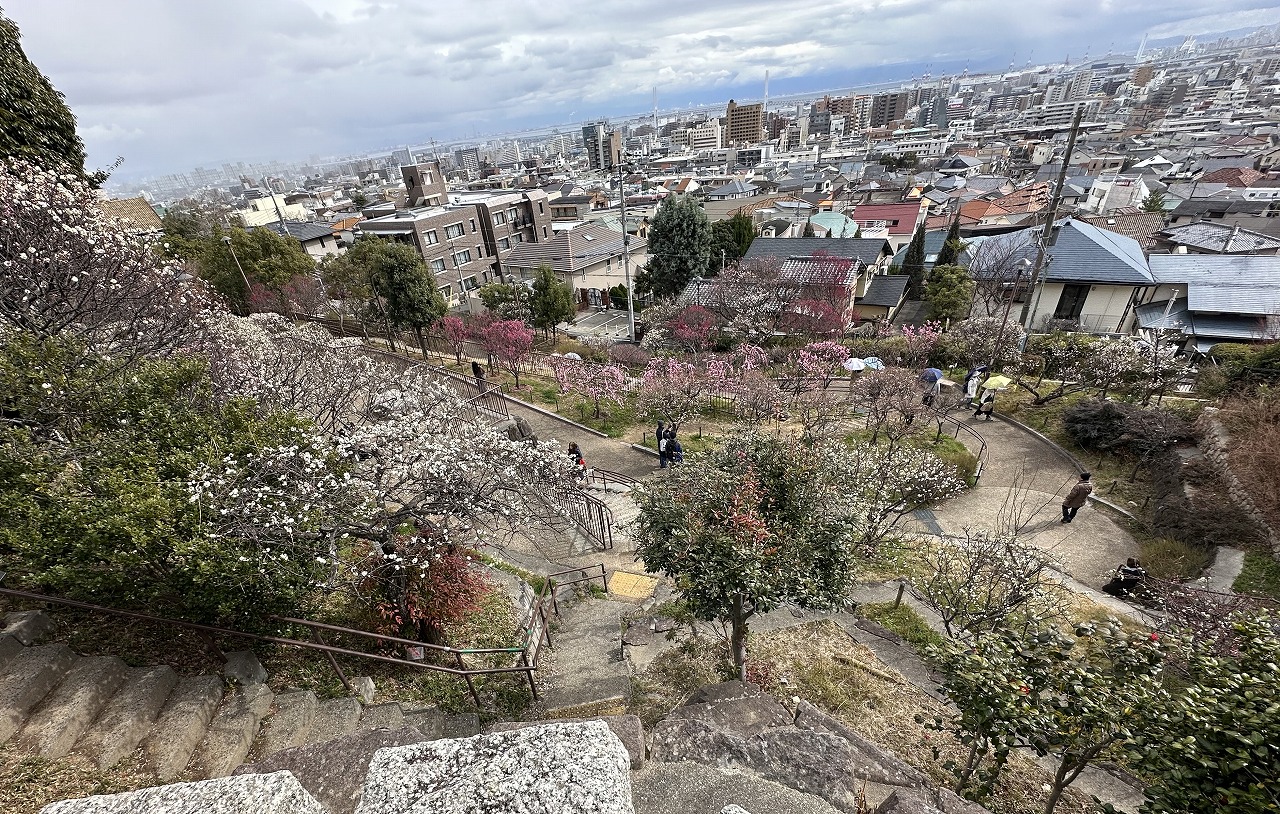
(1021, 489)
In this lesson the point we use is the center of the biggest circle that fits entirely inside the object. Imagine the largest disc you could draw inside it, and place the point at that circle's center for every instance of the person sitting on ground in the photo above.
(1127, 578)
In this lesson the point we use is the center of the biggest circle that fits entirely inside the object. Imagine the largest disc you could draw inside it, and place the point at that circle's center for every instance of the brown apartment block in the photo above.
(463, 236)
(744, 124)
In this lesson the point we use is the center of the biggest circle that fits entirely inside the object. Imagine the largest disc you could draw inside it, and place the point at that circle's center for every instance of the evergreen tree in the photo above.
(730, 240)
(949, 292)
(400, 277)
(239, 263)
(951, 247)
(808, 228)
(552, 300)
(1154, 202)
(679, 247)
(913, 264)
(35, 122)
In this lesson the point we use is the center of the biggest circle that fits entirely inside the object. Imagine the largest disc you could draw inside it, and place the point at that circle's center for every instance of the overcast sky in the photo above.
(171, 84)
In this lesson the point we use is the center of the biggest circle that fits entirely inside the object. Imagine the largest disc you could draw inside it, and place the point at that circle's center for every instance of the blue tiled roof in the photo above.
(1087, 254)
(886, 290)
(866, 249)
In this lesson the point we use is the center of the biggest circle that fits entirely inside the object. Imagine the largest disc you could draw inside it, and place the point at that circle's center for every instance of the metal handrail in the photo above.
(329, 650)
(607, 476)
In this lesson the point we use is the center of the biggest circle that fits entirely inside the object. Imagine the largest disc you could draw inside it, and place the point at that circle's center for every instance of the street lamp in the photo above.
(626, 257)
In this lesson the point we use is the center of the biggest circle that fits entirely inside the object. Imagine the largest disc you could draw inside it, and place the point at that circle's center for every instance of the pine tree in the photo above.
(679, 247)
(913, 264)
(400, 276)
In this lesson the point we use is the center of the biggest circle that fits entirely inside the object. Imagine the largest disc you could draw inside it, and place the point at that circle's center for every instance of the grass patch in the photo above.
(675, 675)
(29, 783)
(1260, 576)
(1165, 558)
(904, 621)
(952, 452)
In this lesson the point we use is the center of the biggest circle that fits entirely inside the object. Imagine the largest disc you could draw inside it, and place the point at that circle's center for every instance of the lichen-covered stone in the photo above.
(578, 768)
(278, 793)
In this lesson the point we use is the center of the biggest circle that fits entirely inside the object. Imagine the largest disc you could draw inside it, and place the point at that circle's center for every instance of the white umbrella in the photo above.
(852, 364)
(573, 356)
(873, 362)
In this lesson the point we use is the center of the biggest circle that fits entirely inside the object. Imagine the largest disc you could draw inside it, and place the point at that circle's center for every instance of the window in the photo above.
(469, 284)
(1071, 302)
(519, 237)
(473, 225)
(462, 258)
(453, 230)
(544, 231)
(431, 237)
(499, 218)
(437, 266)
(504, 243)
(512, 215)
(446, 291)
(539, 207)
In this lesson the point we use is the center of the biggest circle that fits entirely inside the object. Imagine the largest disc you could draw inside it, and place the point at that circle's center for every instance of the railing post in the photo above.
(897, 600)
(333, 662)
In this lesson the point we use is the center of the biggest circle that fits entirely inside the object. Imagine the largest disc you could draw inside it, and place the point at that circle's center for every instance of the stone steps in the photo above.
(54, 702)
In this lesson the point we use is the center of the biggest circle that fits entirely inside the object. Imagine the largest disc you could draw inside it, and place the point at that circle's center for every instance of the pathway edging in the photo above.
(549, 414)
(1071, 459)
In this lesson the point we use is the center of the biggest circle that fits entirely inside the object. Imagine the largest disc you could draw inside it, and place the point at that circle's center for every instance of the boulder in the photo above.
(334, 772)
(627, 727)
(244, 669)
(278, 793)
(578, 768)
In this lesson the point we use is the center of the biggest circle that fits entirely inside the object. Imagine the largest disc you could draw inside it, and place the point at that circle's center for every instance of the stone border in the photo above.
(1071, 459)
(549, 414)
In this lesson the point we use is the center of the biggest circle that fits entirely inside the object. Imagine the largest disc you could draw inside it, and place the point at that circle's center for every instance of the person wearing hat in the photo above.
(1077, 497)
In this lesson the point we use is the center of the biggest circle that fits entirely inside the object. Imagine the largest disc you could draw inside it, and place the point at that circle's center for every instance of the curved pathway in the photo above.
(1022, 486)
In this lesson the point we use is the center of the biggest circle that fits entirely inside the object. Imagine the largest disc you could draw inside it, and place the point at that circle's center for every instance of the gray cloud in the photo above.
(169, 85)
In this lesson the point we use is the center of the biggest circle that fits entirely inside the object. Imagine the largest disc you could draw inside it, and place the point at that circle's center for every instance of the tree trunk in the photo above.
(422, 342)
(738, 637)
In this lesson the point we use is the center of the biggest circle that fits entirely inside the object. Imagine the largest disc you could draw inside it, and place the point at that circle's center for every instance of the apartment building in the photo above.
(744, 124)
(604, 147)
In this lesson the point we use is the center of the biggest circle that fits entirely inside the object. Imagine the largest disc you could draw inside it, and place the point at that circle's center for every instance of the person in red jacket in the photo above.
(1077, 497)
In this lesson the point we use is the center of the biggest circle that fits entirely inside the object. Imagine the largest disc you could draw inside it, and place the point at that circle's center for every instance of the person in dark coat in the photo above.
(987, 406)
(579, 463)
(478, 372)
(1076, 498)
(663, 460)
(675, 452)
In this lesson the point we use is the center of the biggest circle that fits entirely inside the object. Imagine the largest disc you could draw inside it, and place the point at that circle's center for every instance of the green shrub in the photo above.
(904, 621)
(1233, 357)
(954, 453)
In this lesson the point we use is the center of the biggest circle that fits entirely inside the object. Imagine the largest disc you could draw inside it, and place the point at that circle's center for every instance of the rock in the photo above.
(662, 624)
(734, 809)
(362, 688)
(724, 691)
(877, 764)
(627, 727)
(953, 803)
(278, 793)
(244, 669)
(908, 802)
(551, 769)
(733, 710)
(679, 739)
(28, 627)
(637, 635)
(333, 772)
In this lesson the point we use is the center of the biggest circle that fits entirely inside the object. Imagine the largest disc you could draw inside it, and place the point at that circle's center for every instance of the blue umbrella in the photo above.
(931, 374)
(874, 363)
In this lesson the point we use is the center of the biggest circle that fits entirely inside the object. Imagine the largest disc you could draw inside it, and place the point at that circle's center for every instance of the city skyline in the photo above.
(169, 87)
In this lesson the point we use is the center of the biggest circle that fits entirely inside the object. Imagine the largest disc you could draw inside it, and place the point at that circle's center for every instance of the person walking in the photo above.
(1077, 497)
(478, 372)
(675, 452)
(987, 406)
(579, 463)
(662, 450)
(972, 380)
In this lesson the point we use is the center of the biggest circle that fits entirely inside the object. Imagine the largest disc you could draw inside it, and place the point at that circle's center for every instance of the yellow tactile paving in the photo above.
(632, 586)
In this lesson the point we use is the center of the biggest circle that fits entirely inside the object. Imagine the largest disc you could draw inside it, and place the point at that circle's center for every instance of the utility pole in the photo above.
(1046, 231)
(626, 255)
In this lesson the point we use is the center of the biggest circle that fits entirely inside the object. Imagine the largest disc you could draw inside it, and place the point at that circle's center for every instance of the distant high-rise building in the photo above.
(744, 124)
(888, 107)
(468, 159)
(604, 148)
(402, 157)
